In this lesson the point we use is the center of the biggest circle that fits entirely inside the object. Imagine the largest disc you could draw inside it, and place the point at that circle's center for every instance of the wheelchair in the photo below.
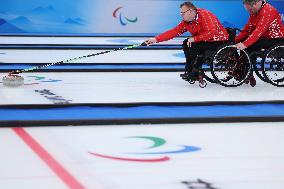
(215, 63)
(231, 67)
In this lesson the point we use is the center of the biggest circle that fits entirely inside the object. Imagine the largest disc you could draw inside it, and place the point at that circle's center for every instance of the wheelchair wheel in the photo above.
(202, 83)
(205, 70)
(257, 59)
(231, 67)
(191, 81)
(273, 65)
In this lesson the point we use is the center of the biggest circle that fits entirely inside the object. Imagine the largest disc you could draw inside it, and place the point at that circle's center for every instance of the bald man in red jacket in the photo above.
(207, 33)
(263, 30)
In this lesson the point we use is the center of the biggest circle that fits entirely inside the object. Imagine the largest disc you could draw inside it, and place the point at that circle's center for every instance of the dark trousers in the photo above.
(264, 43)
(196, 49)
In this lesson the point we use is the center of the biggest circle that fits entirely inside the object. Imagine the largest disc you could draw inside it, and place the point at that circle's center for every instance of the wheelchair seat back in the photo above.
(232, 34)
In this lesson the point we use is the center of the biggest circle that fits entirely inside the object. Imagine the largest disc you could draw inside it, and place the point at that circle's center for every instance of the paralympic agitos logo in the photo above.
(35, 80)
(117, 13)
(154, 153)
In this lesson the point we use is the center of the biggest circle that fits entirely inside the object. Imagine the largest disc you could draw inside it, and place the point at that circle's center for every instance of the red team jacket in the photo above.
(205, 27)
(266, 23)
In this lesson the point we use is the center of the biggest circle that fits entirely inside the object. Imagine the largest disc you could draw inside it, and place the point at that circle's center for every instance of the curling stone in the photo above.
(13, 80)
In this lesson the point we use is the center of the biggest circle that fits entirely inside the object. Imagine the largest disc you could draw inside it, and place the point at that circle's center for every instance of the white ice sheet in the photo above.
(231, 156)
(125, 87)
(125, 56)
(82, 40)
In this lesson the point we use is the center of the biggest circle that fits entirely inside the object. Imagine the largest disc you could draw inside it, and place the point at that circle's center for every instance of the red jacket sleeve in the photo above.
(245, 32)
(176, 31)
(209, 26)
(264, 23)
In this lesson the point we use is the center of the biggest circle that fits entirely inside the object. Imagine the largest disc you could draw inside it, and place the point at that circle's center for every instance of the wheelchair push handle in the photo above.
(232, 33)
(233, 29)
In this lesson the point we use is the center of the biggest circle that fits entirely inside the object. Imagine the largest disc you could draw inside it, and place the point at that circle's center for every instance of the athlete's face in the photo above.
(253, 9)
(187, 13)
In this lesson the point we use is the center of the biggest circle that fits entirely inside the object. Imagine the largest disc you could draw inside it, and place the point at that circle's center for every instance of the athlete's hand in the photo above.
(189, 41)
(240, 46)
(151, 41)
